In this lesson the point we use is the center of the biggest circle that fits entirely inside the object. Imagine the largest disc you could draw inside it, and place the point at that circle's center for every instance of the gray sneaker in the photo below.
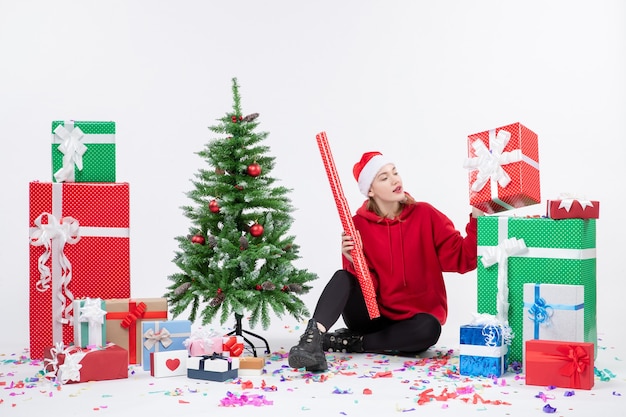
(308, 353)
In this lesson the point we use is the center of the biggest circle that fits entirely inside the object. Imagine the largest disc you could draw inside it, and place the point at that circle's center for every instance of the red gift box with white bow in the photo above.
(79, 247)
(71, 364)
(503, 166)
(559, 363)
(573, 208)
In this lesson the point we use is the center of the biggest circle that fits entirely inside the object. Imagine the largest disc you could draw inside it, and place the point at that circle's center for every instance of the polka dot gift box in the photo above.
(83, 151)
(503, 168)
(79, 248)
(556, 252)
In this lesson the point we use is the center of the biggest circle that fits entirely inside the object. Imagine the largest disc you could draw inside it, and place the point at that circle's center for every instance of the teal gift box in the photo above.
(555, 252)
(163, 336)
(483, 351)
(89, 322)
(83, 151)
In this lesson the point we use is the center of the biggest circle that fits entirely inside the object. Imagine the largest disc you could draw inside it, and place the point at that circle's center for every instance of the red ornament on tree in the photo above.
(254, 169)
(234, 119)
(239, 187)
(256, 230)
(198, 239)
(213, 206)
(258, 287)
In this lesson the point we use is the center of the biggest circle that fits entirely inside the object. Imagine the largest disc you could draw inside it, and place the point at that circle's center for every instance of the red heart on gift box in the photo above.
(172, 364)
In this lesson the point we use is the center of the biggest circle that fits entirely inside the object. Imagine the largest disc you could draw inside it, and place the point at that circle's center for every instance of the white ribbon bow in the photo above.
(489, 162)
(65, 231)
(492, 329)
(153, 338)
(72, 148)
(92, 312)
(500, 254)
(69, 370)
(567, 200)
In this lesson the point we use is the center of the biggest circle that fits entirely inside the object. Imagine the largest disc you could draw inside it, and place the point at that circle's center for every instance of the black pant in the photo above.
(342, 296)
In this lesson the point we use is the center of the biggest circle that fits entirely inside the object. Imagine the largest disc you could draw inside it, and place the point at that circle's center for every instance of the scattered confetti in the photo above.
(549, 409)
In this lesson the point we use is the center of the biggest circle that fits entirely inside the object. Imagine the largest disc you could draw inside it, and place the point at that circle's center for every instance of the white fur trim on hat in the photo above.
(369, 171)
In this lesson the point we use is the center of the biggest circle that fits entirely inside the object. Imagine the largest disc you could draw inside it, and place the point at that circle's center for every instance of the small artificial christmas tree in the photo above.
(238, 256)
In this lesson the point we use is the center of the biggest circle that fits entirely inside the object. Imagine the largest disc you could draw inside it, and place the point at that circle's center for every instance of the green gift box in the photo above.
(554, 252)
(83, 151)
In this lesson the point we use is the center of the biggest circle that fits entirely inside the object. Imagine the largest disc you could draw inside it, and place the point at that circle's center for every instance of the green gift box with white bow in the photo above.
(83, 151)
(513, 251)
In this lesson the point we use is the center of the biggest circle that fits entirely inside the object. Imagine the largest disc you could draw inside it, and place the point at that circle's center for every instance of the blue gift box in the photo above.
(483, 351)
(215, 367)
(160, 336)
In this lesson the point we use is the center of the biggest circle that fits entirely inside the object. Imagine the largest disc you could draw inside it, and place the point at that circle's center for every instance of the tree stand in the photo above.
(239, 331)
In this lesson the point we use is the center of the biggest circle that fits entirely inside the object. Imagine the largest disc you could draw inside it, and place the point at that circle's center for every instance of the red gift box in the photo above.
(124, 318)
(573, 208)
(232, 345)
(559, 363)
(74, 364)
(504, 168)
(79, 248)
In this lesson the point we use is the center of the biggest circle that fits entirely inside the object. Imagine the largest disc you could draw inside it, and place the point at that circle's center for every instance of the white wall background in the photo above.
(408, 78)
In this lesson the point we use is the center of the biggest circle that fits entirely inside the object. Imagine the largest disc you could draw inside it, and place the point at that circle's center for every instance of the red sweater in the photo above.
(408, 255)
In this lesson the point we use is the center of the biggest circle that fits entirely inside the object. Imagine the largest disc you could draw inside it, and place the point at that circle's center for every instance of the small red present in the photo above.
(73, 364)
(232, 345)
(559, 363)
(503, 168)
(573, 208)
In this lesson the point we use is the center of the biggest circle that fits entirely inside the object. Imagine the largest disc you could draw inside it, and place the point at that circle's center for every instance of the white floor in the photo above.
(355, 385)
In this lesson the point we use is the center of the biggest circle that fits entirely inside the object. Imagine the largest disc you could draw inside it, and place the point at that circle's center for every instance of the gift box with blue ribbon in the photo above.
(163, 336)
(554, 312)
(215, 367)
(483, 351)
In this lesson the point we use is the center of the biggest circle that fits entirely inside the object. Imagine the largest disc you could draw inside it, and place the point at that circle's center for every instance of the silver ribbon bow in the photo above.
(152, 338)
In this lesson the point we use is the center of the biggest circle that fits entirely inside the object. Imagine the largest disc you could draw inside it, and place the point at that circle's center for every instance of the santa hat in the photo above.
(366, 169)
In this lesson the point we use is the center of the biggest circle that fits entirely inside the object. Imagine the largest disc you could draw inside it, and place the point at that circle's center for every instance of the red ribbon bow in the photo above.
(137, 313)
(577, 361)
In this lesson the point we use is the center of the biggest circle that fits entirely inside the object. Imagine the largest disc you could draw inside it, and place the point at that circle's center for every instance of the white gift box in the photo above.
(554, 312)
(212, 367)
(168, 363)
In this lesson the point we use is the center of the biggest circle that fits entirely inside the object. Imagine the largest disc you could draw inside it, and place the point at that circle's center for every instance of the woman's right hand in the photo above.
(347, 244)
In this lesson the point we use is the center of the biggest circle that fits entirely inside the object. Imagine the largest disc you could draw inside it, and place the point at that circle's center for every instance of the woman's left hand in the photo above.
(477, 213)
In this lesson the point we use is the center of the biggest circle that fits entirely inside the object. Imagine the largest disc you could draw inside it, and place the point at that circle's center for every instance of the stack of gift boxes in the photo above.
(83, 322)
(536, 274)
